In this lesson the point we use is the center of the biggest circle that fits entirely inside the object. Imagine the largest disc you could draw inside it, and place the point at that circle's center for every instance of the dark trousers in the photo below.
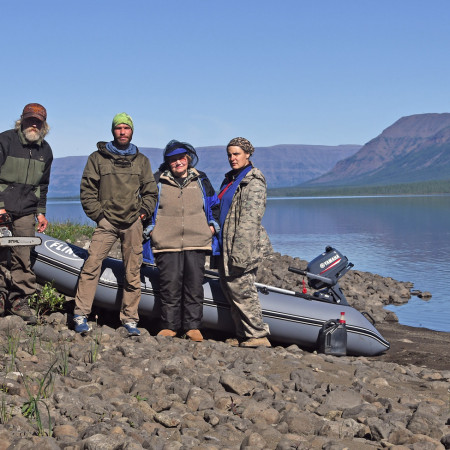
(23, 280)
(181, 288)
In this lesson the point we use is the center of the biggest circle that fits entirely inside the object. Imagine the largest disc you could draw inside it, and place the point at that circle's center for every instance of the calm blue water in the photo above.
(406, 238)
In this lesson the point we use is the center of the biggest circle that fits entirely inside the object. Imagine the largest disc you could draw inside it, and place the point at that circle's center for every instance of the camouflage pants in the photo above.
(23, 280)
(242, 295)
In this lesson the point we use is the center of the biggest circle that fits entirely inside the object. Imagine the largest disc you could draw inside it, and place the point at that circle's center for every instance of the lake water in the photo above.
(406, 238)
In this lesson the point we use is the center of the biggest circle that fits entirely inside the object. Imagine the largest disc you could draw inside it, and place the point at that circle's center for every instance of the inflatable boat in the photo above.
(293, 318)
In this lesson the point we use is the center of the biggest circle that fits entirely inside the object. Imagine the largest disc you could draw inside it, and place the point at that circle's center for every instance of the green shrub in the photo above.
(46, 301)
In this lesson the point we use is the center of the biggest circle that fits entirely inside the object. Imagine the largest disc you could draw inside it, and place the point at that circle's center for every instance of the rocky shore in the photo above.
(109, 391)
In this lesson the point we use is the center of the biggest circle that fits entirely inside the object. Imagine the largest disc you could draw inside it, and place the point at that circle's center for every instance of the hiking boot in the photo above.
(21, 308)
(166, 332)
(256, 342)
(2, 304)
(195, 335)
(131, 327)
(81, 325)
(234, 342)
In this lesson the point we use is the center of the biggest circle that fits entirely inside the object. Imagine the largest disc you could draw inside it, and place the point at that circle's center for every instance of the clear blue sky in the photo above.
(204, 71)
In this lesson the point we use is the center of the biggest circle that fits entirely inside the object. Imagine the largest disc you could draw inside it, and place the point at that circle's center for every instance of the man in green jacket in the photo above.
(118, 192)
(25, 162)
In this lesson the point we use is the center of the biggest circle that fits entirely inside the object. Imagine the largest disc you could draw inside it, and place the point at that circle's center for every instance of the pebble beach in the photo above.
(109, 391)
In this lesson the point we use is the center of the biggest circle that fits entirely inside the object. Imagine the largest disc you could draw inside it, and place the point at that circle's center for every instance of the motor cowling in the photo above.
(331, 264)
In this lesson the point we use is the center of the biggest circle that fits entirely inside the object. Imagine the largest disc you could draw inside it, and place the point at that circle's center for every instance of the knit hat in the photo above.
(175, 147)
(34, 110)
(122, 118)
(243, 143)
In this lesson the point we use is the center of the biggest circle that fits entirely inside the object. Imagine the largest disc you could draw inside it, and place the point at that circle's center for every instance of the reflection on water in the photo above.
(406, 238)
(67, 210)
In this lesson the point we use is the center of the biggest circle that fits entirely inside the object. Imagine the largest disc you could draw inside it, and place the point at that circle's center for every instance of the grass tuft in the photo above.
(69, 231)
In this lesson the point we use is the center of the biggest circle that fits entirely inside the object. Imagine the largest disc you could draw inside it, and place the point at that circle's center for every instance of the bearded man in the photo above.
(25, 162)
(118, 192)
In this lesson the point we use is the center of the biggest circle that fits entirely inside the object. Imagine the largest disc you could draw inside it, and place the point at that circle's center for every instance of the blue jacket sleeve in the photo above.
(212, 210)
(147, 253)
(212, 203)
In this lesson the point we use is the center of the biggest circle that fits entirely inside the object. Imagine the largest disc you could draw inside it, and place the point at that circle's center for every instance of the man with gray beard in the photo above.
(25, 162)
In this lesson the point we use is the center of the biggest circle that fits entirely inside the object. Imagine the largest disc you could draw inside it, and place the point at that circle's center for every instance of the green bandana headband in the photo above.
(122, 118)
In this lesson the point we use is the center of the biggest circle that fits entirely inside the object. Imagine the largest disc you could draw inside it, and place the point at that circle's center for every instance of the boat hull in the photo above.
(292, 320)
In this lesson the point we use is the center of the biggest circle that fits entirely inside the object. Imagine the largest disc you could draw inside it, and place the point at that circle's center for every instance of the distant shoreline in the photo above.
(270, 196)
(435, 187)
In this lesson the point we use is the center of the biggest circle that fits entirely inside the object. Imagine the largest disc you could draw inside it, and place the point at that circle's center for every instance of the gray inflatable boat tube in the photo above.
(292, 320)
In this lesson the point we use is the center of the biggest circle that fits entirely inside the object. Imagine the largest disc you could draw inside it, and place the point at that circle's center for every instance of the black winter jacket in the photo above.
(24, 174)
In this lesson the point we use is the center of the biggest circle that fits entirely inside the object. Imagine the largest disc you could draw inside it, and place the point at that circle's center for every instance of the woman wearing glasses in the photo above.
(183, 230)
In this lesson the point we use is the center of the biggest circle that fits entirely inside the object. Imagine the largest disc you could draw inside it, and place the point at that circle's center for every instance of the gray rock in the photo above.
(239, 385)
(102, 442)
(305, 381)
(189, 441)
(65, 430)
(379, 430)
(20, 426)
(360, 412)
(341, 429)
(199, 400)
(167, 419)
(135, 417)
(253, 441)
(423, 423)
(80, 375)
(400, 436)
(302, 423)
(159, 393)
(340, 400)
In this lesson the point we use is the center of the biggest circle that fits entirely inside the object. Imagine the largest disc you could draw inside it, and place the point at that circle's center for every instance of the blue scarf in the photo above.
(227, 197)
(131, 150)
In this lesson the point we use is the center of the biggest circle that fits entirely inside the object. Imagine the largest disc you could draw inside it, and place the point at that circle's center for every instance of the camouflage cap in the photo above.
(34, 110)
(243, 143)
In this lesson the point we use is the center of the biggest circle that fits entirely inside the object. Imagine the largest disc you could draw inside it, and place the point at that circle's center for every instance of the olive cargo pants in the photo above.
(23, 280)
(104, 237)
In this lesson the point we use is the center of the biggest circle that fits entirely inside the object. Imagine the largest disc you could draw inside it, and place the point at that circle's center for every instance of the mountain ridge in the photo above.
(282, 165)
(414, 148)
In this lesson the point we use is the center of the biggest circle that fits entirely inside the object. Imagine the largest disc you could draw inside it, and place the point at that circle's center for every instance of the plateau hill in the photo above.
(414, 149)
(283, 165)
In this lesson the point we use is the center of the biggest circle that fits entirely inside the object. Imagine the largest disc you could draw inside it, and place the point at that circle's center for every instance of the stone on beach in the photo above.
(106, 390)
(159, 393)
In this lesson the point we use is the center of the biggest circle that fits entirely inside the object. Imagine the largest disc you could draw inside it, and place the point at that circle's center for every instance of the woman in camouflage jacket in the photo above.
(244, 242)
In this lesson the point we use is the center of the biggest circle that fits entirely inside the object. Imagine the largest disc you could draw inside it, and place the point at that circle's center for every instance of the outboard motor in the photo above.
(323, 273)
(330, 266)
